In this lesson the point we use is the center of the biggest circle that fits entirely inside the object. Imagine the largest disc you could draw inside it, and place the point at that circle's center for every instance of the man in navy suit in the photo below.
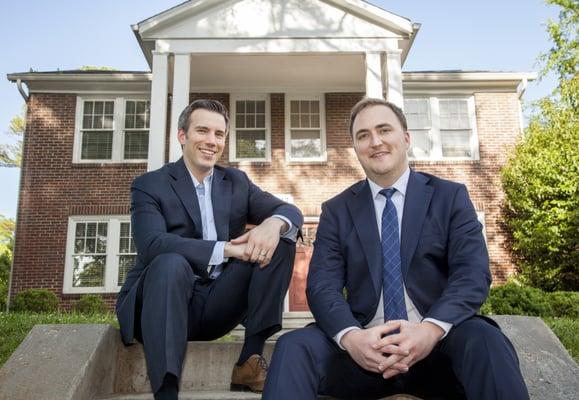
(395, 309)
(197, 273)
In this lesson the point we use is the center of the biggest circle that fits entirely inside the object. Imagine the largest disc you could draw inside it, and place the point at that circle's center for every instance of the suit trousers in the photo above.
(176, 306)
(475, 361)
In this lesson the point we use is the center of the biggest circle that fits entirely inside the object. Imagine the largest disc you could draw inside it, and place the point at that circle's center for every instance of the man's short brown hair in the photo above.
(203, 104)
(369, 102)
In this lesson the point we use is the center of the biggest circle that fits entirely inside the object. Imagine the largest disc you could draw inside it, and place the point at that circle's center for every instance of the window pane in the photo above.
(240, 121)
(80, 229)
(91, 229)
(315, 107)
(315, 121)
(88, 107)
(126, 262)
(260, 107)
(294, 107)
(250, 121)
(97, 145)
(295, 121)
(260, 121)
(240, 106)
(417, 113)
(305, 121)
(125, 229)
(129, 121)
(124, 245)
(456, 143)
(89, 271)
(306, 144)
(249, 107)
(454, 114)
(304, 106)
(421, 144)
(136, 145)
(250, 144)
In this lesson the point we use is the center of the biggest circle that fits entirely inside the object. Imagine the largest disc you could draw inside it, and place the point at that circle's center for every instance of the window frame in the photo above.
(287, 129)
(435, 130)
(118, 145)
(233, 98)
(111, 261)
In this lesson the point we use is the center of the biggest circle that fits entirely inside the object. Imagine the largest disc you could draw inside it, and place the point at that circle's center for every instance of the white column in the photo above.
(394, 78)
(181, 78)
(158, 121)
(374, 75)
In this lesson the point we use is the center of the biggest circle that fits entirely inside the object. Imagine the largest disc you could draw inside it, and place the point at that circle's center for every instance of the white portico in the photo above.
(268, 46)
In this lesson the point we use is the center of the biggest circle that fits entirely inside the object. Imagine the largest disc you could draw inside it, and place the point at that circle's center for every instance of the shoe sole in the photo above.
(236, 387)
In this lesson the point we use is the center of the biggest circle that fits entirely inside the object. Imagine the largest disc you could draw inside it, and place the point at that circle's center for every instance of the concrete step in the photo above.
(225, 395)
(291, 320)
(217, 395)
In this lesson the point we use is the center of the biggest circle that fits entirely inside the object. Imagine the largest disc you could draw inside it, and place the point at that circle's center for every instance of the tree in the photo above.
(11, 154)
(541, 178)
(6, 243)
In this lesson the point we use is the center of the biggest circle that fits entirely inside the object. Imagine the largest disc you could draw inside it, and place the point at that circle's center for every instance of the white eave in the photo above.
(160, 28)
(97, 82)
(468, 80)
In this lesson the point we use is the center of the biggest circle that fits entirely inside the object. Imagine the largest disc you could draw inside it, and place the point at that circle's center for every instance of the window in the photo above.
(305, 128)
(442, 128)
(111, 130)
(100, 252)
(250, 128)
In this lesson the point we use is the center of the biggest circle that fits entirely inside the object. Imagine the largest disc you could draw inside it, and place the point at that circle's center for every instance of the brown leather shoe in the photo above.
(249, 376)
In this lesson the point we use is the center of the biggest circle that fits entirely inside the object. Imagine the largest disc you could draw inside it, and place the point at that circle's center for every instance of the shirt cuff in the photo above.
(292, 232)
(218, 255)
(445, 326)
(340, 335)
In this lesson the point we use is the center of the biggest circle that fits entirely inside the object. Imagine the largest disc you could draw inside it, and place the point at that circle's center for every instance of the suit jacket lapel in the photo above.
(364, 216)
(183, 186)
(416, 203)
(221, 200)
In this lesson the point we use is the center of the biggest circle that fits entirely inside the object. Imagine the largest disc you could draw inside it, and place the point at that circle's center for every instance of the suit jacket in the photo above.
(165, 217)
(445, 263)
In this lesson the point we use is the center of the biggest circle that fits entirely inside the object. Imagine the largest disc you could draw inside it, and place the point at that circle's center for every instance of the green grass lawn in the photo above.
(15, 326)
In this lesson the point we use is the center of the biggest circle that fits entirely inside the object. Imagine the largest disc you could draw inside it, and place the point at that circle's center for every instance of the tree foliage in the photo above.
(541, 178)
(11, 154)
(6, 244)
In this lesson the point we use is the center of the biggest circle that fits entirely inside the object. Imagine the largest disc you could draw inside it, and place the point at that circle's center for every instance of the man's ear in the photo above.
(182, 136)
(407, 140)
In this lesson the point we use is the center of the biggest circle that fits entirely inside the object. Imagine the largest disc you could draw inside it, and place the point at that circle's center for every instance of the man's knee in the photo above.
(477, 334)
(300, 341)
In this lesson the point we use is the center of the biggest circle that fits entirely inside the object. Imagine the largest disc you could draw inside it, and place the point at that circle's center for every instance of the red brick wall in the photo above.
(53, 188)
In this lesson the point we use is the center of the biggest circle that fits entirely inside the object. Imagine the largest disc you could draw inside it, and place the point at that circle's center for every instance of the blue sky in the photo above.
(65, 34)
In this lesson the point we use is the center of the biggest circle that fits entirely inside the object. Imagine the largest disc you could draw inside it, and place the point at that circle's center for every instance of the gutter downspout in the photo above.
(24, 95)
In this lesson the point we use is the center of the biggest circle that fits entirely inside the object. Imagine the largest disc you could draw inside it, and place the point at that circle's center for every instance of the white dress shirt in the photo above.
(379, 203)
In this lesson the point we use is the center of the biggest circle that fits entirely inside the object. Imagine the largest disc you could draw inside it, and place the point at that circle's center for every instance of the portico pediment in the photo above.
(274, 18)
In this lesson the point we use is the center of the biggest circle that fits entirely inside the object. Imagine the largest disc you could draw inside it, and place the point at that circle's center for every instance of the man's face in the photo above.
(381, 144)
(204, 141)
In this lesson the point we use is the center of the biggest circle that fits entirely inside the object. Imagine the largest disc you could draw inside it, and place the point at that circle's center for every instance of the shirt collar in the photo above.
(400, 185)
(206, 181)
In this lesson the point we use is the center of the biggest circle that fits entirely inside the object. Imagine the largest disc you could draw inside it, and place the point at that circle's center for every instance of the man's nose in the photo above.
(375, 139)
(211, 139)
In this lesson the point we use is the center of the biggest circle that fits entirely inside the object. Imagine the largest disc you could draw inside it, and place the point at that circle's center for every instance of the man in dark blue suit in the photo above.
(395, 309)
(197, 273)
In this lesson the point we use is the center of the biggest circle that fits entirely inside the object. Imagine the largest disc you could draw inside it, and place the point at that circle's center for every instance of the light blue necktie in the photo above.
(392, 284)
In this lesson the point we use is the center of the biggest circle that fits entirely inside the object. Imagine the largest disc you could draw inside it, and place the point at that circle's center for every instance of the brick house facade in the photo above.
(74, 206)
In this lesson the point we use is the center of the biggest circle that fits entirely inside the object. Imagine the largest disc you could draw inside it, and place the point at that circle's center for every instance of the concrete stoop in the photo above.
(82, 362)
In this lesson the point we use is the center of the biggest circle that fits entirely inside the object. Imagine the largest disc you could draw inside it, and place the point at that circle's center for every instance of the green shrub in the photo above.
(515, 299)
(565, 304)
(90, 304)
(35, 300)
(4, 273)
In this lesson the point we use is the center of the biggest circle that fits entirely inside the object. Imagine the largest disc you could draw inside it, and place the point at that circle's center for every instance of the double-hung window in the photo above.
(100, 252)
(114, 129)
(250, 137)
(305, 128)
(442, 128)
